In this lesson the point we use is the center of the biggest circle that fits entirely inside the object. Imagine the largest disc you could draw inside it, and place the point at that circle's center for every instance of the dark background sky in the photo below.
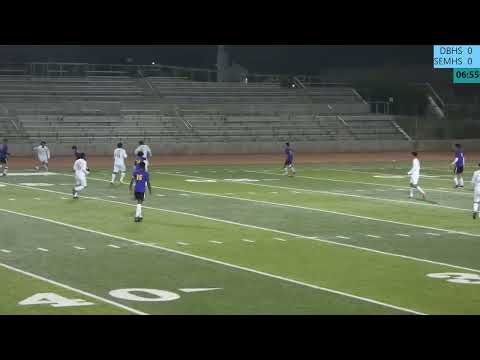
(295, 59)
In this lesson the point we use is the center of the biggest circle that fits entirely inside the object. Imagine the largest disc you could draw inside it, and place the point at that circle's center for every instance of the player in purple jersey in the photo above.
(141, 178)
(288, 165)
(4, 157)
(139, 159)
(459, 164)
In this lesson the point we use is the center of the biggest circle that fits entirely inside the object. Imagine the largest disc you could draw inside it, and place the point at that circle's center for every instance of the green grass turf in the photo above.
(309, 211)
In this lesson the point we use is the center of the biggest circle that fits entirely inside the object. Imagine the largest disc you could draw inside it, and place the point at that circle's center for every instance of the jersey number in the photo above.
(139, 177)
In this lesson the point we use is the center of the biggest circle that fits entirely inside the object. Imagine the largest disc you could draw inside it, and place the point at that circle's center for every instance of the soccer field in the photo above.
(335, 239)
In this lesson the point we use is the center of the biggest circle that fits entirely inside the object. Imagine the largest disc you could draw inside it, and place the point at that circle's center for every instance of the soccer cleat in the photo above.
(424, 197)
(475, 215)
(137, 219)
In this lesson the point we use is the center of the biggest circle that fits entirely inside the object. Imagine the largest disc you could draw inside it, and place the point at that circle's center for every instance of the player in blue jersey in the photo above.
(139, 159)
(4, 157)
(288, 165)
(458, 164)
(141, 179)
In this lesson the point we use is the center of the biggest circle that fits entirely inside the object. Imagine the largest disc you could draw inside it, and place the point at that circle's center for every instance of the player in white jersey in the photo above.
(146, 151)
(81, 170)
(415, 176)
(119, 156)
(476, 192)
(43, 154)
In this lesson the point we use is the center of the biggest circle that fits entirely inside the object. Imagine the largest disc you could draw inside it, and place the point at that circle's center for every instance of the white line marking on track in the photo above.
(198, 290)
(279, 239)
(404, 235)
(343, 237)
(249, 241)
(114, 246)
(182, 243)
(215, 242)
(79, 248)
(217, 262)
(374, 236)
(42, 249)
(5, 251)
(44, 279)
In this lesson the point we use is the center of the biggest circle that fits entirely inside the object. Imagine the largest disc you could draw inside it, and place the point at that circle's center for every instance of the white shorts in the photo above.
(476, 196)
(43, 160)
(414, 179)
(119, 168)
(81, 180)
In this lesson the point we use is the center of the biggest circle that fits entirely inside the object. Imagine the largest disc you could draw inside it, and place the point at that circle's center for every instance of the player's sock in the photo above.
(113, 177)
(138, 212)
(455, 180)
(293, 169)
(475, 207)
(5, 170)
(411, 192)
(286, 171)
(461, 181)
(79, 188)
(421, 190)
(122, 176)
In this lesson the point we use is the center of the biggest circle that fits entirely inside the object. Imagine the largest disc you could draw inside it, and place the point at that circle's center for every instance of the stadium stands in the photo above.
(97, 109)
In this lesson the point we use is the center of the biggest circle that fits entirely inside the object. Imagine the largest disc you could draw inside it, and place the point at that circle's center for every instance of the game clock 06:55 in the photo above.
(466, 76)
(470, 74)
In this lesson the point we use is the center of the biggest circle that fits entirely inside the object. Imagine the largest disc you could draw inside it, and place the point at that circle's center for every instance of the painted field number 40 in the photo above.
(459, 278)
(53, 300)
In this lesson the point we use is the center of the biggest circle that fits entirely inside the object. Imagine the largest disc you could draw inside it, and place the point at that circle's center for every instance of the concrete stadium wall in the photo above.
(258, 147)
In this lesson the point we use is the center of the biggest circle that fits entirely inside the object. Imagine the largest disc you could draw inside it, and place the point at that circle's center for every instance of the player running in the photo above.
(43, 154)
(145, 149)
(119, 156)
(4, 154)
(476, 192)
(459, 164)
(415, 176)
(141, 178)
(289, 160)
(81, 170)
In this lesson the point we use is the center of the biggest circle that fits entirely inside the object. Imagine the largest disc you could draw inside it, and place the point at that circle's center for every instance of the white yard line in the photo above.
(378, 173)
(365, 299)
(293, 234)
(295, 190)
(397, 187)
(38, 277)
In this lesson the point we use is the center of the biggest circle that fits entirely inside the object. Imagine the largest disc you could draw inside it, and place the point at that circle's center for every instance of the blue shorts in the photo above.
(139, 196)
(458, 170)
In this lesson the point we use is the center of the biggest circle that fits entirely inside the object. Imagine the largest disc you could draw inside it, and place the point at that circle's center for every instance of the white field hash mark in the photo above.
(278, 277)
(374, 236)
(79, 248)
(343, 237)
(433, 234)
(114, 246)
(404, 235)
(279, 239)
(182, 243)
(216, 242)
(5, 251)
(42, 249)
(249, 241)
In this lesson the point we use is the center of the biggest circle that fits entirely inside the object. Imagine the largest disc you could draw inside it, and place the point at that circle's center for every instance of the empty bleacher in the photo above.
(98, 109)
